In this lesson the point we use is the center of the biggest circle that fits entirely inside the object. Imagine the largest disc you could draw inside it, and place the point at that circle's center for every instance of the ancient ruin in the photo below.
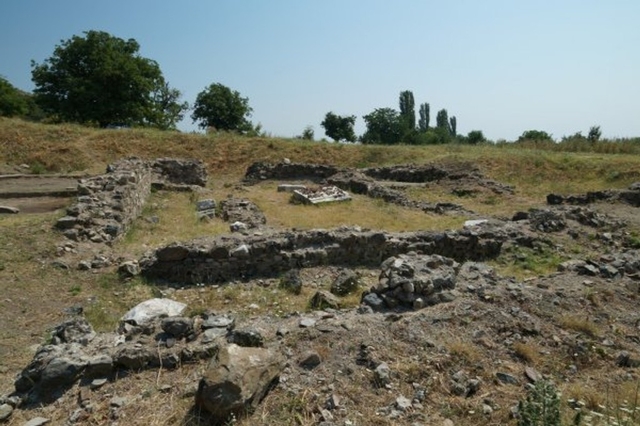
(413, 288)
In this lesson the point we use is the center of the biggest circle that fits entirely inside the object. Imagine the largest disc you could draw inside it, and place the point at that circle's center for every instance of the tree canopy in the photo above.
(339, 127)
(423, 123)
(384, 126)
(220, 108)
(102, 79)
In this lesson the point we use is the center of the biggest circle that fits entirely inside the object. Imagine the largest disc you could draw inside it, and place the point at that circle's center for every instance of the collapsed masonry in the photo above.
(108, 204)
(233, 257)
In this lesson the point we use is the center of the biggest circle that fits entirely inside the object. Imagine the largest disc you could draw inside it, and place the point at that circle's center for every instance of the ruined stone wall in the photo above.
(263, 171)
(629, 196)
(108, 204)
(229, 258)
(179, 171)
(414, 174)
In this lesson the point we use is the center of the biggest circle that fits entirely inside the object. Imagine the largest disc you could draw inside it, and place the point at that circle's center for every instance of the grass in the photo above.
(523, 262)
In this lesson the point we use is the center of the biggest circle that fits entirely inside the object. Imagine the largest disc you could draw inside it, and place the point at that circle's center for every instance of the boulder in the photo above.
(147, 311)
(345, 283)
(291, 281)
(177, 327)
(247, 337)
(128, 269)
(76, 330)
(236, 382)
(61, 372)
(323, 299)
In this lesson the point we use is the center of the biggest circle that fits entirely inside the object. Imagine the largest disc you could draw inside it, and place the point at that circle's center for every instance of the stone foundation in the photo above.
(227, 258)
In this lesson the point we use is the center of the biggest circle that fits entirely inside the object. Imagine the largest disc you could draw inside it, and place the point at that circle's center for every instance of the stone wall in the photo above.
(264, 171)
(108, 204)
(227, 258)
(629, 196)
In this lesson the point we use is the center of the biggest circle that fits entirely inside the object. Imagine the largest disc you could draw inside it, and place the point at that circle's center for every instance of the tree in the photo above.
(12, 100)
(475, 137)
(407, 110)
(102, 79)
(423, 123)
(220, 108)
(442, 119)
(165, 109)
(535, 135)
(384, 126)
(594, 134)
(453, 126)
(339, 127)
(307, 134)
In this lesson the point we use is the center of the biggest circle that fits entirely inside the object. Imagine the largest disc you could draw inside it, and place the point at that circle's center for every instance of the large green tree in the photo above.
(384, 126)
(407, 110)
(442, 119)
(453, 126)
(339, 127)
(219, 108)
(423, 123)
(102, 79)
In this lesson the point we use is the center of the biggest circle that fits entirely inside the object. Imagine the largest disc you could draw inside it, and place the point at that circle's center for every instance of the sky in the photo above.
(500, 66)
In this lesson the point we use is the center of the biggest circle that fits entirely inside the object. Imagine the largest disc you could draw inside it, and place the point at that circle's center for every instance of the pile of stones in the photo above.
(413, 281)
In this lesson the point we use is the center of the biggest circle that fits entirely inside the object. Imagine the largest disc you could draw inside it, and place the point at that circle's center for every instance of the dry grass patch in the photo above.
(527, 352)
(466, 351)
(581, 324)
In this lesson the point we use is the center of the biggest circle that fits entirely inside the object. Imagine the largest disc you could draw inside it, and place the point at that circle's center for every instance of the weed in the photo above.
(633, 240)
(595, 408)
(37, 168)
(541, 406)
(75, 289)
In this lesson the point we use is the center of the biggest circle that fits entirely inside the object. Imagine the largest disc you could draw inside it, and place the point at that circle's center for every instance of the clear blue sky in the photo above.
(501, 66)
